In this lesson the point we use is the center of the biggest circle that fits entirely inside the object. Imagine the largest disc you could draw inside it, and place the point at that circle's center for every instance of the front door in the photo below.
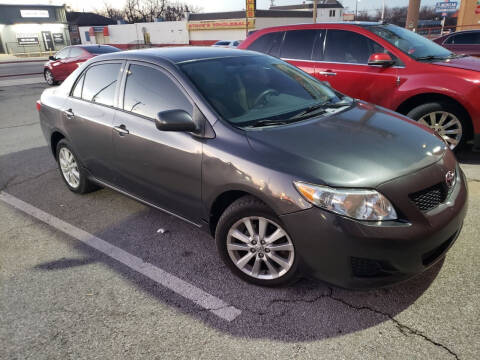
(161, 167)
(48, 41)
(88, 116)
(344, 64)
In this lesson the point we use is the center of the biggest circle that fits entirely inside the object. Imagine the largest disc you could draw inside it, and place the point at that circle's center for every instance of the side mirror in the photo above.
(175, 120)
(381, 59)
(51, 57)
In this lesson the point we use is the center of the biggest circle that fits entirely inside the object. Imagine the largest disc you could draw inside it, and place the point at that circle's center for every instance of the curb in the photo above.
(13, 75)
(21, 61)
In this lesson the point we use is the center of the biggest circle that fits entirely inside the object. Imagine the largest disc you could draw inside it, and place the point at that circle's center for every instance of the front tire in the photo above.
(49, 78)
(447, 119)
(254, 244)
(73, 174)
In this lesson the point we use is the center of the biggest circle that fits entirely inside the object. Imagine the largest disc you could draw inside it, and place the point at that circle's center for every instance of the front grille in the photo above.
(367, 268)
(429, 198)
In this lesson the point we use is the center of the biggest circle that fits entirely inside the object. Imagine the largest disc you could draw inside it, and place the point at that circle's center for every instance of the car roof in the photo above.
(315, 25)
(177, 54)
(86, 47)
(464, 31)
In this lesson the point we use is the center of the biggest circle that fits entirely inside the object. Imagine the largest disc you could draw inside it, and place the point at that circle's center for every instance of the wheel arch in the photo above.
(221, 202)
(54, 140)
(412, 102)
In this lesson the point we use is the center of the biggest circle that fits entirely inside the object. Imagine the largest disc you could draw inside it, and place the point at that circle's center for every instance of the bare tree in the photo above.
(148, 11)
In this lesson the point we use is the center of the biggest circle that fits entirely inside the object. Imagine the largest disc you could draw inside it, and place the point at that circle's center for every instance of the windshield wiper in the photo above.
(268, 122)
(432, 57)
(323, 106)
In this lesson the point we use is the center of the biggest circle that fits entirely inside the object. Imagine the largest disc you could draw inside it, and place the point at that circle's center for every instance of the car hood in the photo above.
(467, 63)
(363, 146)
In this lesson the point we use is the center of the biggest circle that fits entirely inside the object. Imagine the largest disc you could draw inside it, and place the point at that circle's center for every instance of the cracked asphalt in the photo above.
(60, 299)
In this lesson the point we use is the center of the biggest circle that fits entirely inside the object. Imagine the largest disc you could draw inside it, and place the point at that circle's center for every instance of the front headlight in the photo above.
(355, 203)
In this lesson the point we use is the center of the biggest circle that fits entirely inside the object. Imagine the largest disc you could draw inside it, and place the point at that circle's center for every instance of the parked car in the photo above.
(386, 65)
(289, 175)
(227, 43)
(64, 62)
(462, 42)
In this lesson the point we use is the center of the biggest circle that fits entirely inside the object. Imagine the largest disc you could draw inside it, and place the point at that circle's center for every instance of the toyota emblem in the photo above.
(450, 178)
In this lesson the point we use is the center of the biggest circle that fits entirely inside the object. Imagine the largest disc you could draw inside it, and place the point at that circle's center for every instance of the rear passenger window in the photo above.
(149, 91)
(268, 43)
(298, 44)
(75, 52)
(100, 83)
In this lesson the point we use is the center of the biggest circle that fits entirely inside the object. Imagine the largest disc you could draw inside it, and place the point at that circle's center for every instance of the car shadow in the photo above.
(307, 310)
(468, 156)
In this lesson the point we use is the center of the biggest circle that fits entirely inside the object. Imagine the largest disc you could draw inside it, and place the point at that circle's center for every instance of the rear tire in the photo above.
(49, 78)
(448, 119)
(73, 174)
(265, 243)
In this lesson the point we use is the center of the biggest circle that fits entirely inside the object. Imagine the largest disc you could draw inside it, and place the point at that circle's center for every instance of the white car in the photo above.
(227, 43)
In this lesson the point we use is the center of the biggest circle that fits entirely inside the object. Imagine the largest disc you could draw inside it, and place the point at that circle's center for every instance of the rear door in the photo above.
(298, 48)
(161, 167)
(89, 115)
(344, 64)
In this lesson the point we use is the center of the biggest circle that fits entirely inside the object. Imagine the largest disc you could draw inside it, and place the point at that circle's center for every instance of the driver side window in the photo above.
(349, 47)
(62, 54)
(149, 91)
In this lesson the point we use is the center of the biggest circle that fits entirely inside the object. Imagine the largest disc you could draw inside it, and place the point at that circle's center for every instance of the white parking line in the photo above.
(175, 284)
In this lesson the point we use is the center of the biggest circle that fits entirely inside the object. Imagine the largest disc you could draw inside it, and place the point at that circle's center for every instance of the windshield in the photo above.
(412, 44)
(247, 89)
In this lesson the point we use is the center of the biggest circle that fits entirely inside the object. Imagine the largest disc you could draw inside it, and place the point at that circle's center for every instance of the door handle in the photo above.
(328, 73)
(121, 129)
(69, 114)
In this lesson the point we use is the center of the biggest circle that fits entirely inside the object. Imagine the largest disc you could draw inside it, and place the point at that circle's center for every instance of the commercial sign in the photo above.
(220, 24)
(27, 39)
(445, 7)
(34, 13)
(250, 8)
(477, 9)
(58, 38)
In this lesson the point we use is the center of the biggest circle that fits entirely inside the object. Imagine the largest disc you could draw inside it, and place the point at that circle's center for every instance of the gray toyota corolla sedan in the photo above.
(290, 176)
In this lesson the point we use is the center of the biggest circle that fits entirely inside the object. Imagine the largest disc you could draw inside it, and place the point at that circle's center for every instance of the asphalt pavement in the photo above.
(92, 276)
(8, 69)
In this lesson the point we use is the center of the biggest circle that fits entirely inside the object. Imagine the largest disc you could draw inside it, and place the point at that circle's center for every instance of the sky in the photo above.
(220, 5)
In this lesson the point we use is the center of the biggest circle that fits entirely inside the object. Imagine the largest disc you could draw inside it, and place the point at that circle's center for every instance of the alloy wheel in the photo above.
(49, 77)
(260, 248)
(446, 124)
(69, 167)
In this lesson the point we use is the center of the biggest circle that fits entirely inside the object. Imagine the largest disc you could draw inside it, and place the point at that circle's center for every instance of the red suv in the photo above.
(386, 65)
(64, 62)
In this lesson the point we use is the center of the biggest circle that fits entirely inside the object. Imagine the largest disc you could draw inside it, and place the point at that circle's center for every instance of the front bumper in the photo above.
(358, 254)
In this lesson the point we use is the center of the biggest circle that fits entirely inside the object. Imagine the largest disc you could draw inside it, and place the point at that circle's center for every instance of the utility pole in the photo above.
(314, 11)
(412, 15)
(383, 11)
(356, 9)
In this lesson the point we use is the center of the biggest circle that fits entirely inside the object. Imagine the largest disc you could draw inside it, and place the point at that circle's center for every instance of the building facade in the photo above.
(327, 10)
(78, 19)
(469, 15)
(32, 29)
